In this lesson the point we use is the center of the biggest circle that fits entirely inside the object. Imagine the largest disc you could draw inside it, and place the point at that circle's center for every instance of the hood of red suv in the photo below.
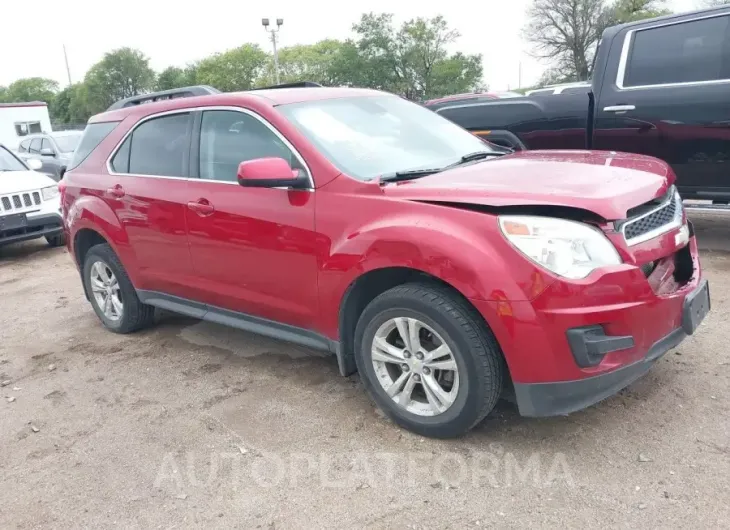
(605, 183)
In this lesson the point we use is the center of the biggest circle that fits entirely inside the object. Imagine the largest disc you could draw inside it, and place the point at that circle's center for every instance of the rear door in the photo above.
(147, 189)
(666, 93)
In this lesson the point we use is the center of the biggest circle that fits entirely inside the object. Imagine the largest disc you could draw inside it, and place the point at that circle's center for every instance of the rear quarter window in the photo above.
(93, 136)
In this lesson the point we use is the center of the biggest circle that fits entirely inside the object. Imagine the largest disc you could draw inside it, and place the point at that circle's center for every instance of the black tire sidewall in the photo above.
(105, 254)
(465, 410)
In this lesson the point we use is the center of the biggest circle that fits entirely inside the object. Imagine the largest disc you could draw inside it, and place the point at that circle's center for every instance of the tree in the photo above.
(30, 89)
(566, 32)
(122, 73)
(320, 63)
(623, 11)
(411, 60)
(71, 105)
(174, 77)
(234, 70)
(3, 91)
(714, 3)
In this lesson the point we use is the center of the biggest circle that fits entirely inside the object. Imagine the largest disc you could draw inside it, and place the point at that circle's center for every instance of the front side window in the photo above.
(160, 146)
(692, 51)
(370, 136)
(228, 138)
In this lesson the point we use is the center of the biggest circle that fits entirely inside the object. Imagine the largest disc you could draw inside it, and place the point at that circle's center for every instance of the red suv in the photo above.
(444, 270)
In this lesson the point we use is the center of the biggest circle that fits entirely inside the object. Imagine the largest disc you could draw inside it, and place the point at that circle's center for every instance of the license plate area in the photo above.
(696, 307)
(13, 222)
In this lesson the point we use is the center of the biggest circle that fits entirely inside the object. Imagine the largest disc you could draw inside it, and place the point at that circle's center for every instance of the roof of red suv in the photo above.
(274, 96)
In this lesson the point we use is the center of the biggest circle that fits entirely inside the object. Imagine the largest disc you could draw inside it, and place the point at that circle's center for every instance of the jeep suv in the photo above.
(444, 271)
(29, 202)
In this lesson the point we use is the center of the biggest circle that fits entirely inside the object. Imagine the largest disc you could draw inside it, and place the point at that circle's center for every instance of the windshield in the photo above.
(68, 142)
(8, 162)
(370, 136)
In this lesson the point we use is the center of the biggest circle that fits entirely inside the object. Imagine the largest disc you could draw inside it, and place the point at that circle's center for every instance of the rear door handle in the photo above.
(619, 108)
(202, 207)
(117, 191)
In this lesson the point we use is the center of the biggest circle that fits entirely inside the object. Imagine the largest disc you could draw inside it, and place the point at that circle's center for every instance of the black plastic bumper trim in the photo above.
(589, 344)
(564, 397)
(50, 225)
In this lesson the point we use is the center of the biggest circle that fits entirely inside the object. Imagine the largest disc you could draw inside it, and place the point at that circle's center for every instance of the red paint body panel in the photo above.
(290, 256)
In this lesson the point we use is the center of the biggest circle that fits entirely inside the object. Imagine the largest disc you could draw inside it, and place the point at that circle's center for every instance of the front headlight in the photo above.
(51, 192)
(567, 248)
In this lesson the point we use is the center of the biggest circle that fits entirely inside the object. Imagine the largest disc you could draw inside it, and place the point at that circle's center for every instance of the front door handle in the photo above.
(619, 108)
(202, 207)
(117, 191)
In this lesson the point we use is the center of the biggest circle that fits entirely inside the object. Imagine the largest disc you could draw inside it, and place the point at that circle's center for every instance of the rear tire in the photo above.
(112, 294)
(469, 377)
(56, 241)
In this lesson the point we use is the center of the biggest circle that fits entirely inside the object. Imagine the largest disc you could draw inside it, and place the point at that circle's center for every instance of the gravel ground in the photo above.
(191, 424)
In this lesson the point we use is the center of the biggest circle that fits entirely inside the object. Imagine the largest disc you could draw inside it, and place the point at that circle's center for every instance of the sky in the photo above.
(172, 34)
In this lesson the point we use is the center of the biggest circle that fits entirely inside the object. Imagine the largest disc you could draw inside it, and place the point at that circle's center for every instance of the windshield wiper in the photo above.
(478, 155)
(409, 174)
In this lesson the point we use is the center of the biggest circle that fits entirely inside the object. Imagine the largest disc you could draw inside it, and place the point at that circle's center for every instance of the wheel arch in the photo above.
(365, 288)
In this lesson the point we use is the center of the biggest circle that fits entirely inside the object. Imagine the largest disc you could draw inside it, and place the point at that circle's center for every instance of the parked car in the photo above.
(54, 150)
(660, 88)
(29, 202)
(564, 88)
(360, 223)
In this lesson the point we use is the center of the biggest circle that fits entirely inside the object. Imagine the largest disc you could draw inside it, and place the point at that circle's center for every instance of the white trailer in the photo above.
(18, 120)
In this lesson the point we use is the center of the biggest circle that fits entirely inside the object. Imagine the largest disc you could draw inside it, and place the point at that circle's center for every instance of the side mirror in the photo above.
(47, 152)
(270, 173)
(34, 164)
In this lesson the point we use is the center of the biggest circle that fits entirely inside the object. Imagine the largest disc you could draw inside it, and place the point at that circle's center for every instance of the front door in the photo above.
(253, 249)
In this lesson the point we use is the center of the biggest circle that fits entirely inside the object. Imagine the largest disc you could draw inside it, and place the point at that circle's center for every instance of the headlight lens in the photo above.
(567, 248)
(51, 192)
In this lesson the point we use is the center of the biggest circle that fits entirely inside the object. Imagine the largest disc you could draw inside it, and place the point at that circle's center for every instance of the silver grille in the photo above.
(655, 221)
(20, 202)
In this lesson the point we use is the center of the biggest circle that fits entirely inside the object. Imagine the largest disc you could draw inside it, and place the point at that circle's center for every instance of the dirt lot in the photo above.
(192, 424)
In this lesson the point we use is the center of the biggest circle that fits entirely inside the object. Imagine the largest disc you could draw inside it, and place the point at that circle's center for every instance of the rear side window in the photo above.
(693, 51)
(159, 146)
(93, 136)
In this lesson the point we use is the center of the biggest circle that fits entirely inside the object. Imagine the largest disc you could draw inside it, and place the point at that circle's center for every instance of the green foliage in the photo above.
(29, 89)
(411, 60)
(234, 70)
(120, 74)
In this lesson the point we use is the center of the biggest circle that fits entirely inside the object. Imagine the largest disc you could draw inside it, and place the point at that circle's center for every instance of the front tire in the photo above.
(112, 294)
(428, 360)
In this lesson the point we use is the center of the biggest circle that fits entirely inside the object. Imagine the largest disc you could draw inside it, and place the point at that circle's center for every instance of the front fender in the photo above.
(93, 213)
(462, 248)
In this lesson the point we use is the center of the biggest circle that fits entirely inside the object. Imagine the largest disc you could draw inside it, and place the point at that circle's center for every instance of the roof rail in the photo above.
(298, 84)
(184, 92)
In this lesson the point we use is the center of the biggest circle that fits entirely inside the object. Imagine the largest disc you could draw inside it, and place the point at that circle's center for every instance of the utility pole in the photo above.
(273, 32)
(68, 70)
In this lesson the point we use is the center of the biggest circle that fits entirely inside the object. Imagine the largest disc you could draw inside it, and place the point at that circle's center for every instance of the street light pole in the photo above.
(273, 32)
